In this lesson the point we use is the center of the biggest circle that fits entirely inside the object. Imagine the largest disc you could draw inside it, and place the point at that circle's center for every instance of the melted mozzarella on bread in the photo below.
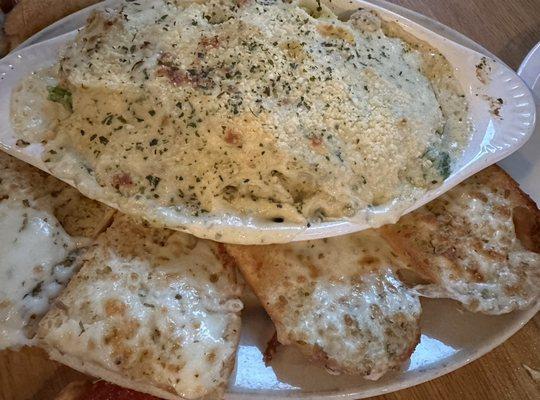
(151, 309)
(43, 225)
(477, 244)
(35, 266)
(337, 299)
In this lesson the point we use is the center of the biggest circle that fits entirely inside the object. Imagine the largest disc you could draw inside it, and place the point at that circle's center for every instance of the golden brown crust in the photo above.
(527, 225)
(525, 214)
(399, 234)
(81, 216)
(398, 238)
(496, 176)
(258, 269)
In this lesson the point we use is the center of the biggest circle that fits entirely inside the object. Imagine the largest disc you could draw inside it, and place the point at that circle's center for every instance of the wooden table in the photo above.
(508, 28)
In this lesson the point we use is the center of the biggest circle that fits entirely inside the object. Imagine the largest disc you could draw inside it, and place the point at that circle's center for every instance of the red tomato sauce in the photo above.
(102, 390)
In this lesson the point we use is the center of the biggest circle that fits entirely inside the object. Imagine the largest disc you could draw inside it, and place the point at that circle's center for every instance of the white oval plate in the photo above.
(494, 136)
(446, 343)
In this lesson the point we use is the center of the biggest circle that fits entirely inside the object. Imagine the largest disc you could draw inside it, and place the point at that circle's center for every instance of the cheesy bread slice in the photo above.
(478, 244)
(152, 310)
(337, 299)
(44, 226)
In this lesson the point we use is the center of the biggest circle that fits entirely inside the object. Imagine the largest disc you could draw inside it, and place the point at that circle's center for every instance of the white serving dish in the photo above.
(446, 343)
(493, 137)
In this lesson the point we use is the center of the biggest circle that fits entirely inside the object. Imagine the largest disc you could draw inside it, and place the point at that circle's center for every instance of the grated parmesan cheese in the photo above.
(275, 110)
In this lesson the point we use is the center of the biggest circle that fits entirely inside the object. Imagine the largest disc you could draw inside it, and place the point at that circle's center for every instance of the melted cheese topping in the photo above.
(43, 224)
(496, 273)
(338, 299)
(467, 241)
(154, 306)
(36, 264)
(250, 109)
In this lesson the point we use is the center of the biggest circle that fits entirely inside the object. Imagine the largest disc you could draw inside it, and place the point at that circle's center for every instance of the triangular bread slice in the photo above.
(479, 244)
(44, 225)
(337, 299)
(153, 310)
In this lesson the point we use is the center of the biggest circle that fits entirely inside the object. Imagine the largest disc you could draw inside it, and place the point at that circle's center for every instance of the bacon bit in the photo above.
(232, 138)
(166, 58)
(179, 78)
(403, 122)
(241, 3)
(38, 270)
(109, 22)
(316, 141)
(271, 349)
(176, 77)
(122, 179)
(209, 42)
(368, 260)
(165, 121)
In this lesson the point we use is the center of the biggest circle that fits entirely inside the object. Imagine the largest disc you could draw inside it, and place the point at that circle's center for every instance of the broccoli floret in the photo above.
(441, 161)
(60, 95)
